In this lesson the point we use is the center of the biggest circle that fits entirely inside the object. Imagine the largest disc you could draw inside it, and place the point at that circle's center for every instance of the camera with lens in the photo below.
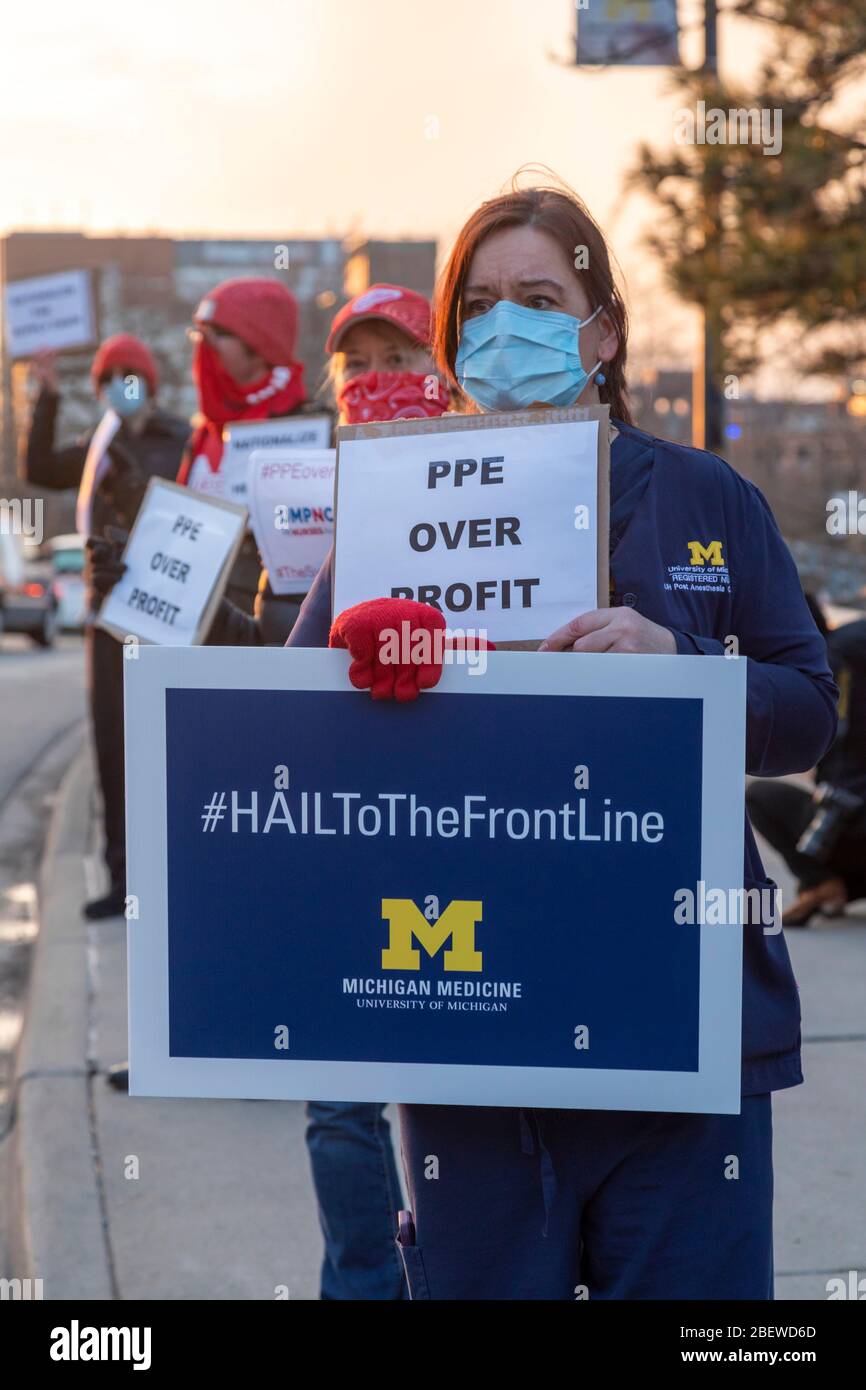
(835, 810)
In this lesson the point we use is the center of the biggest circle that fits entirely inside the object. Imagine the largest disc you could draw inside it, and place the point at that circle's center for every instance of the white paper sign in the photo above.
(95, 466)
(497, 527)
(291, 502)
(241, 438)
(177, 559)
(49, 311)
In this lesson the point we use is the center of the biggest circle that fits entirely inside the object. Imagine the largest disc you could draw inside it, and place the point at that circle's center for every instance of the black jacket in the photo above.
(134, 458)
(845, 763)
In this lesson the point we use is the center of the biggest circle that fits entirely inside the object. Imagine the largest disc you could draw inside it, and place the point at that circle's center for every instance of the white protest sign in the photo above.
(291, 502)
(178, 557)
(241, 438)
(49, 311)
(95, 466)
(503, 527)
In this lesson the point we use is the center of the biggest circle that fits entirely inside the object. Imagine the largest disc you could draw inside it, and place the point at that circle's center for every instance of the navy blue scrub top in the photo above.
(666, 499)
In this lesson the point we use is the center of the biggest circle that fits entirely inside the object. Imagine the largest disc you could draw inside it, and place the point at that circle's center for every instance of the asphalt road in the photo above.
(42, 713)
(41, 693)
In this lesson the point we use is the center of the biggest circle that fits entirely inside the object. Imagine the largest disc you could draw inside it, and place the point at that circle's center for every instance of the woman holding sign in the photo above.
(111, 465)
(613, 1205)
(381, 369)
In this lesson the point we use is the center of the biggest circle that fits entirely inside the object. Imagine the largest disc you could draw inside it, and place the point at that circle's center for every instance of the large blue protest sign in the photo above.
(468, 899)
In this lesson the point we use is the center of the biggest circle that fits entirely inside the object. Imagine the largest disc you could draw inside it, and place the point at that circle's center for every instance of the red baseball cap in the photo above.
(406, 310)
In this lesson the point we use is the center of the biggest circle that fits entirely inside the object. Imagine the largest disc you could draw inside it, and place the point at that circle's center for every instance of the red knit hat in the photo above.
(125, 350)
(408, 311)
(262, 313)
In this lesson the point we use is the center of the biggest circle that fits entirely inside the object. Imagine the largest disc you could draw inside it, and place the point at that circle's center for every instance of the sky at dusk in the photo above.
(305, 117)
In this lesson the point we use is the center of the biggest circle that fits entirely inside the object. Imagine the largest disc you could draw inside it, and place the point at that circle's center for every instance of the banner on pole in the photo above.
(627, 33)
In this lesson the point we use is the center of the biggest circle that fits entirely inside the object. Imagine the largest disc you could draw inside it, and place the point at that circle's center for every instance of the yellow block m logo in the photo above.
(406, 920)
(705, 554)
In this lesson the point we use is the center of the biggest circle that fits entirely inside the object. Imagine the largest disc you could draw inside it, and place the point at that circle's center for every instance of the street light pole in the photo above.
(706, 396)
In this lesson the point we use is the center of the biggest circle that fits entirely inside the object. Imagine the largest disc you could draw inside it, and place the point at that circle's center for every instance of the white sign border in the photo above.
(720, 684)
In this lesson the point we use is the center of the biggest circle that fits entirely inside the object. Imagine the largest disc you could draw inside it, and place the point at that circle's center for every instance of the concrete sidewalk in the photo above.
(222, 1205)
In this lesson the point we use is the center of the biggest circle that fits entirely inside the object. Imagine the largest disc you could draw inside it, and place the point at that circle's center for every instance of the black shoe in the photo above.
(112, 905)
(118, 1076)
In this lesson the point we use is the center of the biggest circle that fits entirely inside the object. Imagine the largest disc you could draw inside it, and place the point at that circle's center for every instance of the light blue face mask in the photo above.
(511, 357)
(126, 394)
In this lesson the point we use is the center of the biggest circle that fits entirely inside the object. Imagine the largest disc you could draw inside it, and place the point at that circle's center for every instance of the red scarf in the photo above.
(391, 396)
(222, 400)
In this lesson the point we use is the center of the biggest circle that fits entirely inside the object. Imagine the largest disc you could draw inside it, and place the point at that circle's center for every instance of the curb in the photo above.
(57, 1226)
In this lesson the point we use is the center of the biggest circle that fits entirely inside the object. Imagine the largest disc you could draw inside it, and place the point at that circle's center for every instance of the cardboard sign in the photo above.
(473, 900)
(242, 438)
(178, 558)
(49, 311)
(291, 502)
(501, 521)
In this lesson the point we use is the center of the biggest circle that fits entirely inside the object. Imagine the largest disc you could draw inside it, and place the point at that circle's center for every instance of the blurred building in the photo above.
(661, 403)
(149, 286)
(800, 454)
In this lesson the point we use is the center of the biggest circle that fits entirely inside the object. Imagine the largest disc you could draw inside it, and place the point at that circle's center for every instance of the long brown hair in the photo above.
(560, 213)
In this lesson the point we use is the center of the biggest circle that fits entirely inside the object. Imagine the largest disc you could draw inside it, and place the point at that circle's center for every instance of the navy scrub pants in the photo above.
(566, 1204)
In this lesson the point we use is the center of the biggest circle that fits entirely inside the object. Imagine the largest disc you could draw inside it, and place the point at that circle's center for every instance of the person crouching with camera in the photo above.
(821, 835)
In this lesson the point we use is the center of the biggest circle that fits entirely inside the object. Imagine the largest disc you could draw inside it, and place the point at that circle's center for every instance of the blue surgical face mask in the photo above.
(126, 394)
(512, 356)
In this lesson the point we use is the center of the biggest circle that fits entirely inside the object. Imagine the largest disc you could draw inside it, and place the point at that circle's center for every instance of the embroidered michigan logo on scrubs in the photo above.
(705, 573)
(710, 554)
(407, 923)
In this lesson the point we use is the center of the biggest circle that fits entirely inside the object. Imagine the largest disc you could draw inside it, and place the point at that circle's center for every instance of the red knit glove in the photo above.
(382, 649)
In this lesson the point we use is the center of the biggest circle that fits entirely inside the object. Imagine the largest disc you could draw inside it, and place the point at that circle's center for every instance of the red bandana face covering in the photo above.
(222, 399)
(392, 396)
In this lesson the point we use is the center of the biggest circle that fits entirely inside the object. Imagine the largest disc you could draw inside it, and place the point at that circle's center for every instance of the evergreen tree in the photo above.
(761, 240)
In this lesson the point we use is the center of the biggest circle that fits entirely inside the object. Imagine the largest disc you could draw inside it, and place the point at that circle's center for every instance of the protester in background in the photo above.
(380, 366)
(111, 467)
(821, 835)
(532, 1203)
(244, 368)
(380, 369)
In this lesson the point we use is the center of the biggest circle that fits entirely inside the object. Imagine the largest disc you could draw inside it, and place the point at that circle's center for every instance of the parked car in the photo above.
(66, 554)
(11, 568)
(26, 593)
